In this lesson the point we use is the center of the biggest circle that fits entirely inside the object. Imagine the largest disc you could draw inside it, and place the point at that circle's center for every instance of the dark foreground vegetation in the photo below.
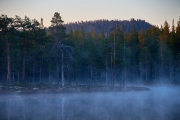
(91, 53)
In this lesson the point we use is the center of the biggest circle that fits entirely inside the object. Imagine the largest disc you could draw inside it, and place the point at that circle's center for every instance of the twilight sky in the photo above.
(153, 11)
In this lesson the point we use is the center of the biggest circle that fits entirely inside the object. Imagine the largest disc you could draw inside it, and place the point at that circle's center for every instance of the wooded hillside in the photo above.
(98, 52)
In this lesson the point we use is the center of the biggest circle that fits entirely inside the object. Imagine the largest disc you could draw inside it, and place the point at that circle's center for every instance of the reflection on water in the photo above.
(160, 103)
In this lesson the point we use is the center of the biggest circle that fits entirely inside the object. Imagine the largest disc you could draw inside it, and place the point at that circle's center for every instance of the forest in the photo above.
(101, 52)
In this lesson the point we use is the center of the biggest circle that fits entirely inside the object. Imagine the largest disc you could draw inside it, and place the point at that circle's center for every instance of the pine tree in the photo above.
(6, 28)
(177, 48)
(57, 29)
(60, 47)
(164, 49)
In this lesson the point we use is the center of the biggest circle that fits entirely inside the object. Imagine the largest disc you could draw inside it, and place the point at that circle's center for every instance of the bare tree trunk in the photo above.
(49, 77)
(162, 62)
(125, 75)
(91, 72)
(62, 68)
(106, 70)
(76, 76)
(124, 60)
(146, 74)
(171, 69)
(24, 62)
(40, 74)
(34, 66)
(30, 76)
(112, 70)
(8, 64)
(18, 76)
(114, 62)
(171, 73)
(23, 68)
(13, 77)
(68, 76)
(141, 73)
(57, 71)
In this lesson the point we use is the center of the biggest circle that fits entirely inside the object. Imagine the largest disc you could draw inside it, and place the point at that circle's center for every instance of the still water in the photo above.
(159, 103)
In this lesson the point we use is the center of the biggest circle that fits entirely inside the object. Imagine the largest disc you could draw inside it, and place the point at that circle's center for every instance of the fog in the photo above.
(159, 103)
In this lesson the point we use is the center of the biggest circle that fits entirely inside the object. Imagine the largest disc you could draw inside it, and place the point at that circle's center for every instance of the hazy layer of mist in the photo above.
(160, 103)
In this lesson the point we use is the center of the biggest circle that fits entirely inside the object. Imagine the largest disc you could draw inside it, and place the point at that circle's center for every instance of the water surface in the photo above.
(159, 103)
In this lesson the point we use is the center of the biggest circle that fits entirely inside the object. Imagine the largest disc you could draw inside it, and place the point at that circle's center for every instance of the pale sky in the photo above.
(152, 11)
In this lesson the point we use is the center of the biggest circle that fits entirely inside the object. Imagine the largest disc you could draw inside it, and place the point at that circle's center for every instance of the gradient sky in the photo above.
(153, 11)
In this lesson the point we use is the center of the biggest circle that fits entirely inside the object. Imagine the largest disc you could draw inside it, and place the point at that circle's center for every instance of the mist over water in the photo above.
(159, 103)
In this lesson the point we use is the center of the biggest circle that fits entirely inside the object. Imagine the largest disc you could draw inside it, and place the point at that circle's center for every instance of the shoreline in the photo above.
(56, 89)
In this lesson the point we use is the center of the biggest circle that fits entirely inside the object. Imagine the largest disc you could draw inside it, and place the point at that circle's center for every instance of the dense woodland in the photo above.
(88, 53)
(107, 26)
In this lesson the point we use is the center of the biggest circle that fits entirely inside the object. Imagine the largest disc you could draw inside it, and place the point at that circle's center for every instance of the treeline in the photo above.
(30, 53)
(107, 26)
